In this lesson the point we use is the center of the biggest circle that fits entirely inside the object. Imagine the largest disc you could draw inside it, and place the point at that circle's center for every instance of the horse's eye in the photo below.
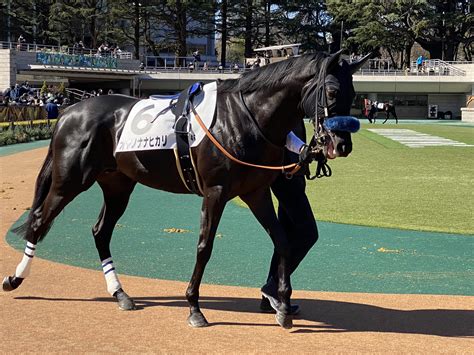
(332, 94)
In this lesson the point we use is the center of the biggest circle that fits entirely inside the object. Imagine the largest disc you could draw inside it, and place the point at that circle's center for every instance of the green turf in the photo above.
(346, 258)
(384, 183)
(17, 148)
(381, 183)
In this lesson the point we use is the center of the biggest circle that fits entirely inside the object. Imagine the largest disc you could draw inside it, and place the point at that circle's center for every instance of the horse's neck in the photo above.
(276, 113)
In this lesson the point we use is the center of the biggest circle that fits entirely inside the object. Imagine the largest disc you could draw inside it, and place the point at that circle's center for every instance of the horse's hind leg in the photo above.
(63, 176)
(117, 189)
(40, 219)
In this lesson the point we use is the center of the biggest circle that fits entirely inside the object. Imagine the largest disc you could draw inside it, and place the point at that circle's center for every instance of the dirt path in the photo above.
(60, 308)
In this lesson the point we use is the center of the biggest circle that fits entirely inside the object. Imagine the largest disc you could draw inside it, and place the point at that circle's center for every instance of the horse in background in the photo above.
(371, 108)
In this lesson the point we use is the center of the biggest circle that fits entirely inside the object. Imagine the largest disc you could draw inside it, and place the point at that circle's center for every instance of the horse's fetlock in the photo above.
(192, 295)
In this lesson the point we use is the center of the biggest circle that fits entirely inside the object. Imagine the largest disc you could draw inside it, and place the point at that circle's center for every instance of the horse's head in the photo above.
(328, 98)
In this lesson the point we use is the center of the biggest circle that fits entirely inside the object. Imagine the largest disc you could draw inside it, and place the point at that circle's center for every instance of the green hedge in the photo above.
(24, 134)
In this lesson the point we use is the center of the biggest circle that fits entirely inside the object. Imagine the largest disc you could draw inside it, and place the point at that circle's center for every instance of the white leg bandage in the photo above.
(113, 283)
(23, 268)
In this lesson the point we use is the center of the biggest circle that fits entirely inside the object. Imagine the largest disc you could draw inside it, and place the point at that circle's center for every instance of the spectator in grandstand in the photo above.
(197, 58)
(52, 109)
(117, 51)
(7, 91)
(35, 101)
(419, 63)
(142, 66)
(78, 47)
(23, 99)
(15, 92)
(5, 101)
(20, 44)
(256, 63)
(205, 66)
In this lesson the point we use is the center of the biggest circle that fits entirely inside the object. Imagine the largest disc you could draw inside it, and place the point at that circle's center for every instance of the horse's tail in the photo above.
(43, 184)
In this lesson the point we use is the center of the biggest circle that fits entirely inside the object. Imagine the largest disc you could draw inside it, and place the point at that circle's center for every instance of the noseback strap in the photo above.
(342, 124)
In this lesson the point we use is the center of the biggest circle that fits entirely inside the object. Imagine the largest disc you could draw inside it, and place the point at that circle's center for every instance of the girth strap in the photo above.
(181, 127)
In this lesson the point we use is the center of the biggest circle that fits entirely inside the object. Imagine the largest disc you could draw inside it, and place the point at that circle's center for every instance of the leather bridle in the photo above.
(321, 134)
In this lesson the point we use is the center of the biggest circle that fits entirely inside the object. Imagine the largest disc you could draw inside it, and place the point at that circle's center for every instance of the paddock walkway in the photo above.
(66, 308)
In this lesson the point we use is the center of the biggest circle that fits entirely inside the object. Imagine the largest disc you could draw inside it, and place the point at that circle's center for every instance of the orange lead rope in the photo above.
(295, 166)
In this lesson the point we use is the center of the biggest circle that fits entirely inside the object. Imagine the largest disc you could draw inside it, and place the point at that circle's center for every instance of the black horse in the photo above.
(387, 107)
(254, 114)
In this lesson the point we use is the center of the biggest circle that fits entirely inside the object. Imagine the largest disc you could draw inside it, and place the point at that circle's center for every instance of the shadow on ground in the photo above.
(328, 316)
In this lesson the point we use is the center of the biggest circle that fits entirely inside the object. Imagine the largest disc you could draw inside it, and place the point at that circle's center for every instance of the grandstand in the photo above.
(444, 85)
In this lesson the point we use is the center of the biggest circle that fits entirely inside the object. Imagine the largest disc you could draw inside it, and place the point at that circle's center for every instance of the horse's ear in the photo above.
(333, 60)
(355, 66)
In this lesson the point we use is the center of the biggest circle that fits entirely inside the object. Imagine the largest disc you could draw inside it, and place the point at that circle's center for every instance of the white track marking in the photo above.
(415, 139)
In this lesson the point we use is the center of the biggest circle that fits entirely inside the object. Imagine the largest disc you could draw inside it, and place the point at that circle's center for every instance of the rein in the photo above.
(320, 133)
(295, 166)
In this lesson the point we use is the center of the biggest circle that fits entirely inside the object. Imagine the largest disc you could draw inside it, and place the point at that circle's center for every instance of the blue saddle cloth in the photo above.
(165, 97)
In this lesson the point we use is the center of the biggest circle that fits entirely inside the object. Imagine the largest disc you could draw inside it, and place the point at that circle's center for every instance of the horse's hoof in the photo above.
(125, 303)
(197, 320)
(285, 320)
(11, 283)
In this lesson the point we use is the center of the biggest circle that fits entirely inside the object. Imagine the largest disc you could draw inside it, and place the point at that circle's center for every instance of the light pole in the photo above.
(442, 39)
(342, 29)
(8, 21)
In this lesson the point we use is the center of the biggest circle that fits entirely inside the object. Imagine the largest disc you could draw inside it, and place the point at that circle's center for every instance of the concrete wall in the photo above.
(130, 64)
(448, 102)
(467, 114)
(7, 68)
(24, 59)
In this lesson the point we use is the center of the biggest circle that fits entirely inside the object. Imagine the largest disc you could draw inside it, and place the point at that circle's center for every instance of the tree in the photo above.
(305, 22)
(442, 26)
(222, 28)
(439, 26)
(29, 18)
(44, 89)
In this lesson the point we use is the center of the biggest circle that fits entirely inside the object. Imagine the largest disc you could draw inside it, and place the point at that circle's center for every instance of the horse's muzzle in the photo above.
(344, 149)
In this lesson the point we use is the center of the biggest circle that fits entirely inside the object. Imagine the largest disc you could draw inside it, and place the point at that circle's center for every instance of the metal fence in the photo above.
(430, 67)
(33, 47)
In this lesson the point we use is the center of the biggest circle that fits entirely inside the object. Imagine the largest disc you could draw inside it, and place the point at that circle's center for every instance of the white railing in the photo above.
(436, 67)
(431, 67)
(83, 68)
(188, 64)
(33, 47)
(459, 61)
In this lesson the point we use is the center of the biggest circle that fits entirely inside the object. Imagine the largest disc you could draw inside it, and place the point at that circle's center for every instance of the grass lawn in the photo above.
(386, 184)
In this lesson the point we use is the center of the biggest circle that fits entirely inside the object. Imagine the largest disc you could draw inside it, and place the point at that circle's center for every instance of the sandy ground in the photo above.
(61, 308)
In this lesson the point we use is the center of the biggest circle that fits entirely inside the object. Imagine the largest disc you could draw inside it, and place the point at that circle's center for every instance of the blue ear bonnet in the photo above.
(342, 123)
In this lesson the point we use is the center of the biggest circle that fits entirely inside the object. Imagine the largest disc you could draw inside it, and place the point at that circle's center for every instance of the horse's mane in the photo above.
(274, 74)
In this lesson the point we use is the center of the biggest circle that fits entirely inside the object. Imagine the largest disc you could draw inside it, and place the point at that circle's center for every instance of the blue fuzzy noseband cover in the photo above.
(342, 123)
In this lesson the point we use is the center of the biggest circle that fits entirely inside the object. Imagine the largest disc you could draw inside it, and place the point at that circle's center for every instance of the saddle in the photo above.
(181, 110)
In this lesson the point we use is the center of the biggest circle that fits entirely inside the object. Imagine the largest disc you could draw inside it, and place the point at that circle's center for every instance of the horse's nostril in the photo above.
(344, 149)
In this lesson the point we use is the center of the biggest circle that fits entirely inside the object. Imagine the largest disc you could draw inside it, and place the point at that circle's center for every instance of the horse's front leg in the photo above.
(261, 205)
(211, 212)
